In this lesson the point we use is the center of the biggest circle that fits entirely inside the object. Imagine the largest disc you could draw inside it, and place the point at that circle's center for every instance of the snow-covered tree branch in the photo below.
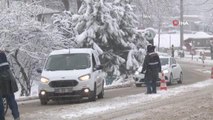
(110, 25)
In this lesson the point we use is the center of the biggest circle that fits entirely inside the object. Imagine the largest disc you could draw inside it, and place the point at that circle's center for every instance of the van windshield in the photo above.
(68, 62)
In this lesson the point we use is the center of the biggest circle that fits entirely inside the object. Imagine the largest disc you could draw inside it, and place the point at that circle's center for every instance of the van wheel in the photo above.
(43, 101)
(93, 94)
(101, 95)
(138, 85)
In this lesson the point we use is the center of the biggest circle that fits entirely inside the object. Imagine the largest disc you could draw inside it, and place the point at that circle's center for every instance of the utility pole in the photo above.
(181, 25)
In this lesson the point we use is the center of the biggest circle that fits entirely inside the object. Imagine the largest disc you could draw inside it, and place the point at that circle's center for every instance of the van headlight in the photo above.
(44, 80)
(166, 71)
(84, 77)
(136, 73)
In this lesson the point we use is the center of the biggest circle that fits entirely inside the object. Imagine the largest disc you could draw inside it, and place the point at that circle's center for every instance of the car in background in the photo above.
(171, 70)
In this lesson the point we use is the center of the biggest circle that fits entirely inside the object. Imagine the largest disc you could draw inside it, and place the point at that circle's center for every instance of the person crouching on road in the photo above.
(151, 68)
(8, 86)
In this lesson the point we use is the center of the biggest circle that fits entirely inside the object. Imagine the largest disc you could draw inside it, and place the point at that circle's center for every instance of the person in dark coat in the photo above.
(8, 87)
(173, 51)
(151, 68)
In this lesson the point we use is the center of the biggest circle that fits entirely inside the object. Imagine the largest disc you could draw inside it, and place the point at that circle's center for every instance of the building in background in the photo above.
(200, 40)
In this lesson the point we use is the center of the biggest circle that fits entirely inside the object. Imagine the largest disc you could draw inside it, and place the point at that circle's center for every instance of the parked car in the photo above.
(171, 69)
(71, 73)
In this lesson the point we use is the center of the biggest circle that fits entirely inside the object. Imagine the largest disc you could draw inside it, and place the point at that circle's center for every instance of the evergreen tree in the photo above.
(108, 27)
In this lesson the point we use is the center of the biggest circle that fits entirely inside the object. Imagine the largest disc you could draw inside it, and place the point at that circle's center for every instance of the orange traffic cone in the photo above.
(163, 85)
(212, 73)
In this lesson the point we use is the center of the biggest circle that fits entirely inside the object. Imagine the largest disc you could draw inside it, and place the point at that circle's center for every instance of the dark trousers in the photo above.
(151, 81)
(151, 86)
(12, 105)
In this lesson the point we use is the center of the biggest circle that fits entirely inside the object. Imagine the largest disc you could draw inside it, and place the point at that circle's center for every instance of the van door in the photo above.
(97, 74)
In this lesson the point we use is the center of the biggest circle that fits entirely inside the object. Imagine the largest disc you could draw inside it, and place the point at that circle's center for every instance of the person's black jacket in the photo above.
(151, 63)
(8, 84)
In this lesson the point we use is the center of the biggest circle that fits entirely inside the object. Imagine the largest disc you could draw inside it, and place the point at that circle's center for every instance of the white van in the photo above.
(71, 73)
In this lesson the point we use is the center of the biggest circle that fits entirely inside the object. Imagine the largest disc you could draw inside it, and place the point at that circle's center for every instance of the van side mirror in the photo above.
(39, 70)
(174, 65)
(98, 67)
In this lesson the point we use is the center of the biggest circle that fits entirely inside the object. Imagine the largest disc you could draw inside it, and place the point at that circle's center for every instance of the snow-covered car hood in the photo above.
(65, 74)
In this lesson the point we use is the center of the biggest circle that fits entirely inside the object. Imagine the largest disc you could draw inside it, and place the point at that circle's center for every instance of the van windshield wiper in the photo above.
(51, 69)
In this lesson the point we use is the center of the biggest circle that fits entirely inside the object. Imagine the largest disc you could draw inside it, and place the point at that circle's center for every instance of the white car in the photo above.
(71, 73)
(171, 69)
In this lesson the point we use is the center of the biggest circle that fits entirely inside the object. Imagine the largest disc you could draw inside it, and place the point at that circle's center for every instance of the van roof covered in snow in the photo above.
(72, 50)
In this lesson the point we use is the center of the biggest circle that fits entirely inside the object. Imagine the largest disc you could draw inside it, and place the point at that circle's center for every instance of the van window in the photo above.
(93, 61)
(68, 62)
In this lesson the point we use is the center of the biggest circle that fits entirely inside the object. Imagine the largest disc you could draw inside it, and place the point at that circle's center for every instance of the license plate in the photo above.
(63, 90)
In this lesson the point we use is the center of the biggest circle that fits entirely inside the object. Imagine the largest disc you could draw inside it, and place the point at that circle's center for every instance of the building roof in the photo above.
(199, 35)
(166, 40)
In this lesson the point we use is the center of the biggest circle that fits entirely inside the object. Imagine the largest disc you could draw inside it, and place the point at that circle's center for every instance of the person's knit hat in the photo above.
(150, 48)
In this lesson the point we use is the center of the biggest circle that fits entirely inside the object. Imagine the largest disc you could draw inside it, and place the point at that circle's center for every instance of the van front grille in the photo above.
(63, 83)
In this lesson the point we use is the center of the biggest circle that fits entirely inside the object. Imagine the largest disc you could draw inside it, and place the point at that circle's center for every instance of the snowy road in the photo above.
(192, 102)
(115, 100)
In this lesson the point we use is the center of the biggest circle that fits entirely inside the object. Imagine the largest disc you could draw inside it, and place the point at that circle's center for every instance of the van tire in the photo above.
(43, 101)
(93, 94)
(101, 95)
(138, 85)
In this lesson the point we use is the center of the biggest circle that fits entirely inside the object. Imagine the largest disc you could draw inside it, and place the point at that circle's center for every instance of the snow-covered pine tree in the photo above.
(95, 24)
(63, 31)
(110, 26)
(127, 21)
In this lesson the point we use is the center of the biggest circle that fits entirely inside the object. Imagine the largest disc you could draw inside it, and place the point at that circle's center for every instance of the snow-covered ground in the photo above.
(76, 111)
